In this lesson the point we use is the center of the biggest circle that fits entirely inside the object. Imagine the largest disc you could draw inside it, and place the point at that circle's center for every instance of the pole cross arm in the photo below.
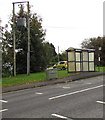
(20, 2)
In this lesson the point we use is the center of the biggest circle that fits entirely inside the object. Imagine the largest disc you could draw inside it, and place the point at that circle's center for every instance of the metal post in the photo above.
(14, 58)
(28, 52)
(58, 53)
(99, 58)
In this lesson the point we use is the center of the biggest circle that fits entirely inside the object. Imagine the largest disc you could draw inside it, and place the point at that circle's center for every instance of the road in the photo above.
(77, 99)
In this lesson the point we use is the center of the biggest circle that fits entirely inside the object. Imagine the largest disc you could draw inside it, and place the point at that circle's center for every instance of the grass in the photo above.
(23, 79)
(35, 77)
(64, 73)
(100, 68)
(26, 79)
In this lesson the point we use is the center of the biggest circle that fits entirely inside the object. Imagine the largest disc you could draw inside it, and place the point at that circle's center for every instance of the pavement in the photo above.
(78, 76)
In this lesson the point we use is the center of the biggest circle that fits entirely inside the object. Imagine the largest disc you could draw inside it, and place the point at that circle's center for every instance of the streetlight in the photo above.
(14, 38)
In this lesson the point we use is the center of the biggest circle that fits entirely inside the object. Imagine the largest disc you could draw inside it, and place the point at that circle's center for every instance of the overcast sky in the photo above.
(67, 22)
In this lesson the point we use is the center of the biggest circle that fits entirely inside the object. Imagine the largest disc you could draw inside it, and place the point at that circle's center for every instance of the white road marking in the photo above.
(3, 101)
(88, 83)
(65, 87)
(59, 116)
(100, 102)
(59, 96)
(3, 110)
(38, 93)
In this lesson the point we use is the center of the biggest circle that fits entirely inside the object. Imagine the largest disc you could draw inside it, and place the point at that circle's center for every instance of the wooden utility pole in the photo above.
(28, 52)
(28, 30)
(14, 58)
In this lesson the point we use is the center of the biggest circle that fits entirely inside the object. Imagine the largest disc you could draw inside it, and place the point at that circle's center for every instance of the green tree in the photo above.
(50, 53)
(96, 43)
(7, 51)
(42, 53)
(37, 34)
(63, 56)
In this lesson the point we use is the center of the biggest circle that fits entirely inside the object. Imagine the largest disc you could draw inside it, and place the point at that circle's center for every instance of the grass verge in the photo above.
(26, 79)
(35, 77)
(100, 69)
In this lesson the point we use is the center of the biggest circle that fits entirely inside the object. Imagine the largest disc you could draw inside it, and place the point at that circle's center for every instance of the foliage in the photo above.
(42, 53)
(96, 43)
(50, 53)
(7, 52)
(63, 56)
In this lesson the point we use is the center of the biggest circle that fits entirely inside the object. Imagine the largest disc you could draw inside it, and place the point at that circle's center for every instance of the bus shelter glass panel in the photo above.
(71, 56)
(85, 56)
(85, 66)
(91, 66)
(78, 66)
(77, 56)
(91, 56)
(71, 66)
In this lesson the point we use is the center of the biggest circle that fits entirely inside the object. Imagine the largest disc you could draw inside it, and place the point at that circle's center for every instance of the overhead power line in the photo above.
(59, 27)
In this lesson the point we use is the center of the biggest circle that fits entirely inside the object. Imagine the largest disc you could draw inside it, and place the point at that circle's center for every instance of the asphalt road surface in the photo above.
(77, 99)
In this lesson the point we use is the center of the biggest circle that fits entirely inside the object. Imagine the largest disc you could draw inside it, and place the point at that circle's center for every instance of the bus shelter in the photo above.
(80, 60)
